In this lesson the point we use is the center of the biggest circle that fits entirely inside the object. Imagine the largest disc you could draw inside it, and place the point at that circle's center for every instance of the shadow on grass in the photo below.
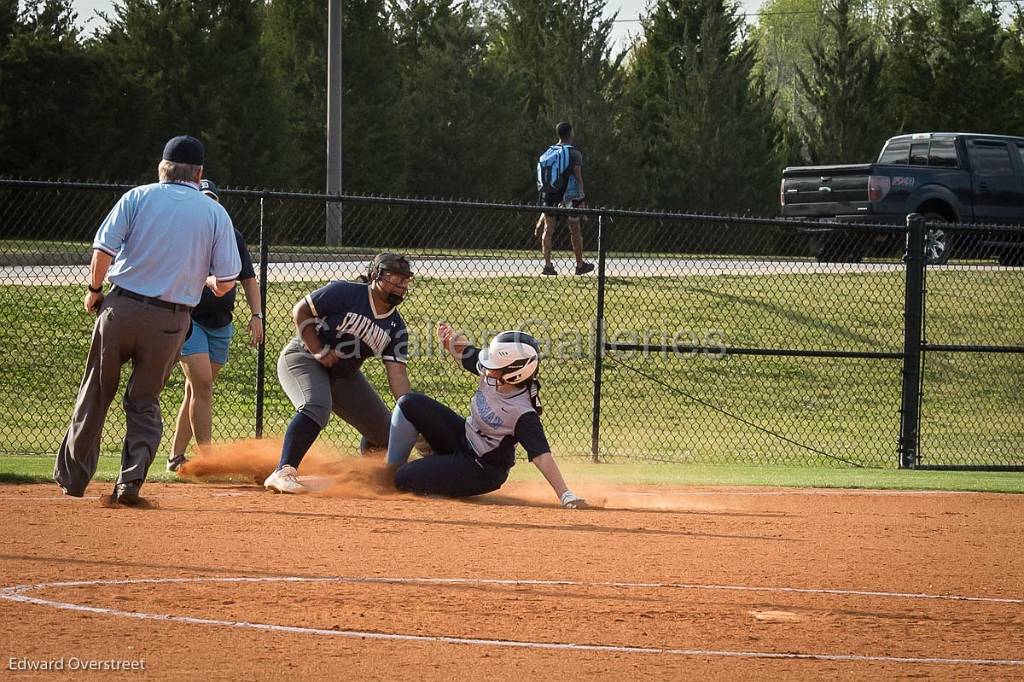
(8, 477)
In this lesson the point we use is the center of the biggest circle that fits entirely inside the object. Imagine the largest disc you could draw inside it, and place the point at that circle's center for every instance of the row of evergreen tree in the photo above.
(453, 98)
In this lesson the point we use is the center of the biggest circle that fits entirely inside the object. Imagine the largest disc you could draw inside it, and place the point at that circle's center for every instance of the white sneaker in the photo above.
(284, 480)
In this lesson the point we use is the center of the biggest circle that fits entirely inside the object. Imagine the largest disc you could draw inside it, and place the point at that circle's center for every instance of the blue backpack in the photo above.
(553, 168)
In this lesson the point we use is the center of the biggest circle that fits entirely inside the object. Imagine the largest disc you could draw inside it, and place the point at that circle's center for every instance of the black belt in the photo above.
(151, 300)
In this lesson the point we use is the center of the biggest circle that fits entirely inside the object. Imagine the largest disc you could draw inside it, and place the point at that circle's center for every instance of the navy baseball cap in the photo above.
(209, 187)
(185, 149)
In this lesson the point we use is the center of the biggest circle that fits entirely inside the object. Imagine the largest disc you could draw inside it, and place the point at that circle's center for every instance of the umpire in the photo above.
(158, 247)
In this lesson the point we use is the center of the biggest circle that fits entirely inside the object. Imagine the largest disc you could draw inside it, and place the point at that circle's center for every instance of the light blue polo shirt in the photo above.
(166, 238)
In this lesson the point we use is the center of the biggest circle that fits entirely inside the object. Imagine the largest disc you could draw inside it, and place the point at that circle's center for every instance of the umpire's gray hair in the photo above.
(169, 171)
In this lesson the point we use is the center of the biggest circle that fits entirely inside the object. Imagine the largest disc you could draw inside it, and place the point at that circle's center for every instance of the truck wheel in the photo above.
(1011, 258)
(936, 241)
(826, 253)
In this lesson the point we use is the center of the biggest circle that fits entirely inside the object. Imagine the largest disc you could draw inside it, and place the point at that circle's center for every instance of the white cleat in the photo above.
(285, 480)
(174, 463)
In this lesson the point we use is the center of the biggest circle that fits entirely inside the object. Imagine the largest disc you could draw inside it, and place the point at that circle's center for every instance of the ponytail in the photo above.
(534, 392)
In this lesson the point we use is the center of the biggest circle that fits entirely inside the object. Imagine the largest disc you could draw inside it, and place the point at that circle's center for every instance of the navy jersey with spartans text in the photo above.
(349, 325)
(214, 312)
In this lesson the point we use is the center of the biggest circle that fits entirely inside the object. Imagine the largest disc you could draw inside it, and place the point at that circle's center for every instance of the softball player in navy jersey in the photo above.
(473, 455)
(339, 326)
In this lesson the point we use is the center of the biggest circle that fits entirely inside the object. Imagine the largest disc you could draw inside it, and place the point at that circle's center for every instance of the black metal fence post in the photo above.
(913, 318)
(602, 253)
(261, 351)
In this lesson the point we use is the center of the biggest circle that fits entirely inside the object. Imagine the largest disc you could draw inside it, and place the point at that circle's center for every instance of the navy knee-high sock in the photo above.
(299, 437)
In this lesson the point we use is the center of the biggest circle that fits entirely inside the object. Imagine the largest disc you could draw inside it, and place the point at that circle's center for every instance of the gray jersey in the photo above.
(493, 416)
(497, 421)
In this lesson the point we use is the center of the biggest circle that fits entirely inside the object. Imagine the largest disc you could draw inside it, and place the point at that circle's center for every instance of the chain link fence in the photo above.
(697, 339)
(973, 339)
(761, 355)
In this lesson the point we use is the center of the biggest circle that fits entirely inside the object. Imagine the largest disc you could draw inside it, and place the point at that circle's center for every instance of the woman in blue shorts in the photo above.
(206, 350)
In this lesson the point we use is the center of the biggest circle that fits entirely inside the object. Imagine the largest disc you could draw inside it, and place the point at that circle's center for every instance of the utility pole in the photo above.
(333, 120)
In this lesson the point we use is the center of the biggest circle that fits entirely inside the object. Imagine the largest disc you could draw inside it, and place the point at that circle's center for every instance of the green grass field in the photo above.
(737, 410)
(38, 468)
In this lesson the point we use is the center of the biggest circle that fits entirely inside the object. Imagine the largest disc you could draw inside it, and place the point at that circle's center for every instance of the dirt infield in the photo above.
(229, 582)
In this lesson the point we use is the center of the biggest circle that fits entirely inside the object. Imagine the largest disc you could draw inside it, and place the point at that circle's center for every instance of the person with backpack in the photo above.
(472, 455)
(560, 182)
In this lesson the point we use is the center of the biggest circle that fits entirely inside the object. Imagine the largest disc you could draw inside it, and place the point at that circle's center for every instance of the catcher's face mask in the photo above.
(394, 286)
(392, 273)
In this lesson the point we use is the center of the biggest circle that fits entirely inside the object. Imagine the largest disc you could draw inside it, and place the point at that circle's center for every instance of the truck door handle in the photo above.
(983, 186)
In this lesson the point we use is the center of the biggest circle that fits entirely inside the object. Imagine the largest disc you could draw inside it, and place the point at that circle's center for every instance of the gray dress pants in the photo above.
(148, 336)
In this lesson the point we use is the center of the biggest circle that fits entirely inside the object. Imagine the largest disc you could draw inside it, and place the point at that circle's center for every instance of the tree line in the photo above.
(446, 98)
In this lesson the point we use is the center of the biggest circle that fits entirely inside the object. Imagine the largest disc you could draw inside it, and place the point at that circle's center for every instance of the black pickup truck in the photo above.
(948, 177)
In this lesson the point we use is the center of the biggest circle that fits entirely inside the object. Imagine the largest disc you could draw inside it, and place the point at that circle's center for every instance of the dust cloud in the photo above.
(325, 472)
(330, 473)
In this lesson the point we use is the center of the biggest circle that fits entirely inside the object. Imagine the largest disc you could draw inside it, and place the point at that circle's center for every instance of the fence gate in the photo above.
(972, 354)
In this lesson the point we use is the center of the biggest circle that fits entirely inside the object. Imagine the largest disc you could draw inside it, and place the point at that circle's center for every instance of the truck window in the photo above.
(896, 152)
(991, 158)
(1020, 152)
(942, 153)
(919, 153)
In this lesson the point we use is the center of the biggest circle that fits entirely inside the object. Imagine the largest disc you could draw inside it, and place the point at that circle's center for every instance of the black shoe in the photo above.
(584, 268)
(549, 270)
(72, 494)
(128, 494)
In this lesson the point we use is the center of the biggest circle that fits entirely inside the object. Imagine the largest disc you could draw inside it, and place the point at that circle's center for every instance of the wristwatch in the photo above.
(96, 290)
(259, 315)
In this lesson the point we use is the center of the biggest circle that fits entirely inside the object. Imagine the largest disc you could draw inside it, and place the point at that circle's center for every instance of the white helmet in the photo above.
(515, 354)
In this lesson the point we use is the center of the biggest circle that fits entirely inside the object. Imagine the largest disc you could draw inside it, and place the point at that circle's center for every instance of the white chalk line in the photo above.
(610, 494)
(17, 593)
(26, 498)
(157, 496)
(518, 582)
(62, 498)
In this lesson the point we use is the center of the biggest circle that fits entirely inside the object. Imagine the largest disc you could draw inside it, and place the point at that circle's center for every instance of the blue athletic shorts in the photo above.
(212, 341)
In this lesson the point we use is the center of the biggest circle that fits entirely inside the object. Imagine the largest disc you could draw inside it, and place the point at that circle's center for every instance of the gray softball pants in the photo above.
(316, 393)
(149, 337)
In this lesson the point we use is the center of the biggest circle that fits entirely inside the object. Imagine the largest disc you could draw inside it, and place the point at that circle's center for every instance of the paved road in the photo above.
(483, 268)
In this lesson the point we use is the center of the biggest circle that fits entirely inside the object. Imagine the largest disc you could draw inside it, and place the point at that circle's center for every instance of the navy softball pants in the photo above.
(453, 470)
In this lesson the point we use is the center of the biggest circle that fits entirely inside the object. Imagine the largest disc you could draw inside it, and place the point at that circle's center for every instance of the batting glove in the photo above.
(569, 500)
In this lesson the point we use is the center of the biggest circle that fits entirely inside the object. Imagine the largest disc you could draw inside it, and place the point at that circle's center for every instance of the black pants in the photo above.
(454, 470)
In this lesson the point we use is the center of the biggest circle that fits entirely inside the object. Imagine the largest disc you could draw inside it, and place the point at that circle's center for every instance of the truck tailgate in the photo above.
(809, 191)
